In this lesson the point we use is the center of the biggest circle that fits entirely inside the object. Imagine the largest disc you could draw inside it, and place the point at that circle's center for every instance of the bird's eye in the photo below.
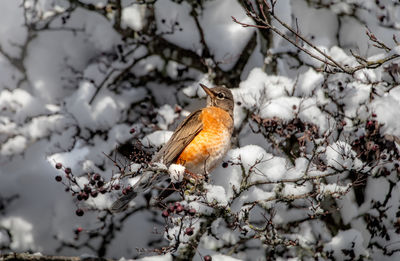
(220, 95)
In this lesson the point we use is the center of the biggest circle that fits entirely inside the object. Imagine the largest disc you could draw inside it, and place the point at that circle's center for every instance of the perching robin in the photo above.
(199, 142)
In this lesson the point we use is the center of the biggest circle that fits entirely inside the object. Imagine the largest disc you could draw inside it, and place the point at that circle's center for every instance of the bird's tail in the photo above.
(150, 177)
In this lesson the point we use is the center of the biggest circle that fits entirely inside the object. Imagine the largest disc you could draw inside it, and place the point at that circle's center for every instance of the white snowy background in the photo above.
(76, 76)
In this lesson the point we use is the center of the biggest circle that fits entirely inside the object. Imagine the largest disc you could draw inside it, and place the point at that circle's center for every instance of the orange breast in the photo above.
(211, 144)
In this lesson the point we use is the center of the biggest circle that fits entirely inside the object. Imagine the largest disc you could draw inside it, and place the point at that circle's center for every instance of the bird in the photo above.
(199, 143)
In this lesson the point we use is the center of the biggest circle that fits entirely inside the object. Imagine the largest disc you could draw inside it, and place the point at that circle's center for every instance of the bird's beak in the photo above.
(207, 90)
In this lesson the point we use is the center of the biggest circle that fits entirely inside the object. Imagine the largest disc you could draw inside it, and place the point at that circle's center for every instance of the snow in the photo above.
(171, 17)
(167, 116)
(166, 257)
(71, 158)
(13, 146)
(216, 194)
(132, 16)
(21, 230)
(48, 115)
(176, 172)
(307, 82)
(341, 156)
(157, 138)
(217, 17)
(350, 239)
(389, 102)
(220, 257)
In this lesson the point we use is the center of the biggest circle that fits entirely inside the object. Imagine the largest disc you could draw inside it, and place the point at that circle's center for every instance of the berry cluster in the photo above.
(372, 146)
(135, 152)
(95, 185)
(177, 208)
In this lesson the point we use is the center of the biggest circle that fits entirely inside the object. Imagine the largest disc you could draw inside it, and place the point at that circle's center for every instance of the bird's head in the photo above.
(220, 97)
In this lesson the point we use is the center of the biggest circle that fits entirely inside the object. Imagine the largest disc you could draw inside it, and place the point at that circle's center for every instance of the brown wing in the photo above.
(183, 135)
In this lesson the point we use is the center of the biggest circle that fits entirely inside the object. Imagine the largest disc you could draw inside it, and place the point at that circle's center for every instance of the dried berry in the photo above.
(179, 209)
(58, 166)
(96, 176)
(87, 189)
(67, 170)
(78, 230)
(79, 212)
(94, 193)
(85, 196)
(192, 212)
(58, 178)
(207, 258)
(225, 164)
(189, 231)
(165, 213)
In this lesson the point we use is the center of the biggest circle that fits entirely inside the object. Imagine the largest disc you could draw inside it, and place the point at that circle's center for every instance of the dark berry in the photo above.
(176, 205)
(129, 189)
(124, 191)
(85, 196)
(94, 193)
(189, 231)
(79, 212)
(294, 107)
(96, 176)
(171, 208)
(87, 189)
(179, 209)
(207, 258)
(78, 230)
(67, 170)
(178, 109)
(192, 212)
(102, 190)
(165, 213)
(373, 115)
(79, 197)
(100, 183)
(370, 125)
(225, 164)
(58, 178)
(117, 187)
(92, 182)
(132, 131)
(58, 166)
